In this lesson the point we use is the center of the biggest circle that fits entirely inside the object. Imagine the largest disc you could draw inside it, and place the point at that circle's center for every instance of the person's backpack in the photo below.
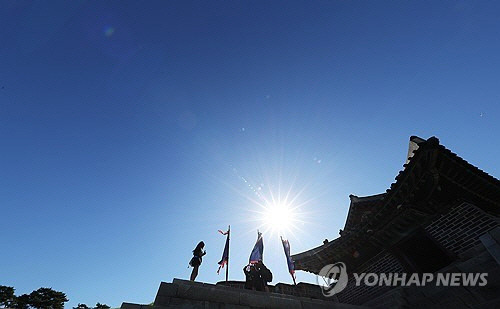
(266, 274)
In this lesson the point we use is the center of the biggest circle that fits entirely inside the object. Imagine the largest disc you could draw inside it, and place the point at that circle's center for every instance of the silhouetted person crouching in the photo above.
(257, 276)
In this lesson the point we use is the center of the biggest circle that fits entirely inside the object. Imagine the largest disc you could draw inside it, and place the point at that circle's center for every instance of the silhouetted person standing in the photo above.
(195, 262)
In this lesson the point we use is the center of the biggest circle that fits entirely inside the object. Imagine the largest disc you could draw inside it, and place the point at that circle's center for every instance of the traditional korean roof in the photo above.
(433, 180)
(361, 209)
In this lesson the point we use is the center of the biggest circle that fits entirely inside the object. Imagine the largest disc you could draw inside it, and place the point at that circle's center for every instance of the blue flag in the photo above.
(289, 261)
(258, 250)
(225, 255)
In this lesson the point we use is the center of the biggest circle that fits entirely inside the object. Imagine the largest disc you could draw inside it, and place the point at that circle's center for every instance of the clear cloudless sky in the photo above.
(131, 130)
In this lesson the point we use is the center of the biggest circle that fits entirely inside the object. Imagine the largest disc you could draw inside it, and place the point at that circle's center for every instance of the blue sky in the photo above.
(132, 130)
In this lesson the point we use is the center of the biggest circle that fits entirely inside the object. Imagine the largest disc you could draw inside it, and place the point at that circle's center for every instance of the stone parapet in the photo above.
(188, 294)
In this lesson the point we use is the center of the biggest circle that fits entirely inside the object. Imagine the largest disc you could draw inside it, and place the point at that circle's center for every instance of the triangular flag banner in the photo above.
(225, 255)
(289, 261)
(258, 250)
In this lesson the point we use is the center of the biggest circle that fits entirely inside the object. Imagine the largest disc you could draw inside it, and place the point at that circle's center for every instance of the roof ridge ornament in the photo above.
(413, 145)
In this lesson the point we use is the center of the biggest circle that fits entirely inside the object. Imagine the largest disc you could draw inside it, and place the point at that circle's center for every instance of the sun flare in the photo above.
(278, 217)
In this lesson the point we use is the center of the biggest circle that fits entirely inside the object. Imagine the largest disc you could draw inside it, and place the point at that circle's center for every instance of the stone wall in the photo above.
(460, 228)
(193, 295)
(381, 263)
(302, 289)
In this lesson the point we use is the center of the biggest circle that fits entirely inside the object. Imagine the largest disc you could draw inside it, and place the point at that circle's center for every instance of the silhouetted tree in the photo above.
(101, 306)
(7, 296)
(47, 298)
(97, 306)
(21, 302)
(43, 298)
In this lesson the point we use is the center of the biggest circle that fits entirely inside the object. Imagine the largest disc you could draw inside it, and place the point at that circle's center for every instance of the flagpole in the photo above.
(228, 239)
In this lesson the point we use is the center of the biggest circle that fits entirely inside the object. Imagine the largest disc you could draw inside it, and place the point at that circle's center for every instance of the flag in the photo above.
(289, 261)
(258, 250)
(225, 255)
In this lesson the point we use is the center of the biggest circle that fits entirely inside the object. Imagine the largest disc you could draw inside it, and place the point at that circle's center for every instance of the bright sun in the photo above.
(278, 217)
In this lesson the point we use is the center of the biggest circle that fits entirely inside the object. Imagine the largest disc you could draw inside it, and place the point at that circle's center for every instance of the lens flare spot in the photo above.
(108, 31)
